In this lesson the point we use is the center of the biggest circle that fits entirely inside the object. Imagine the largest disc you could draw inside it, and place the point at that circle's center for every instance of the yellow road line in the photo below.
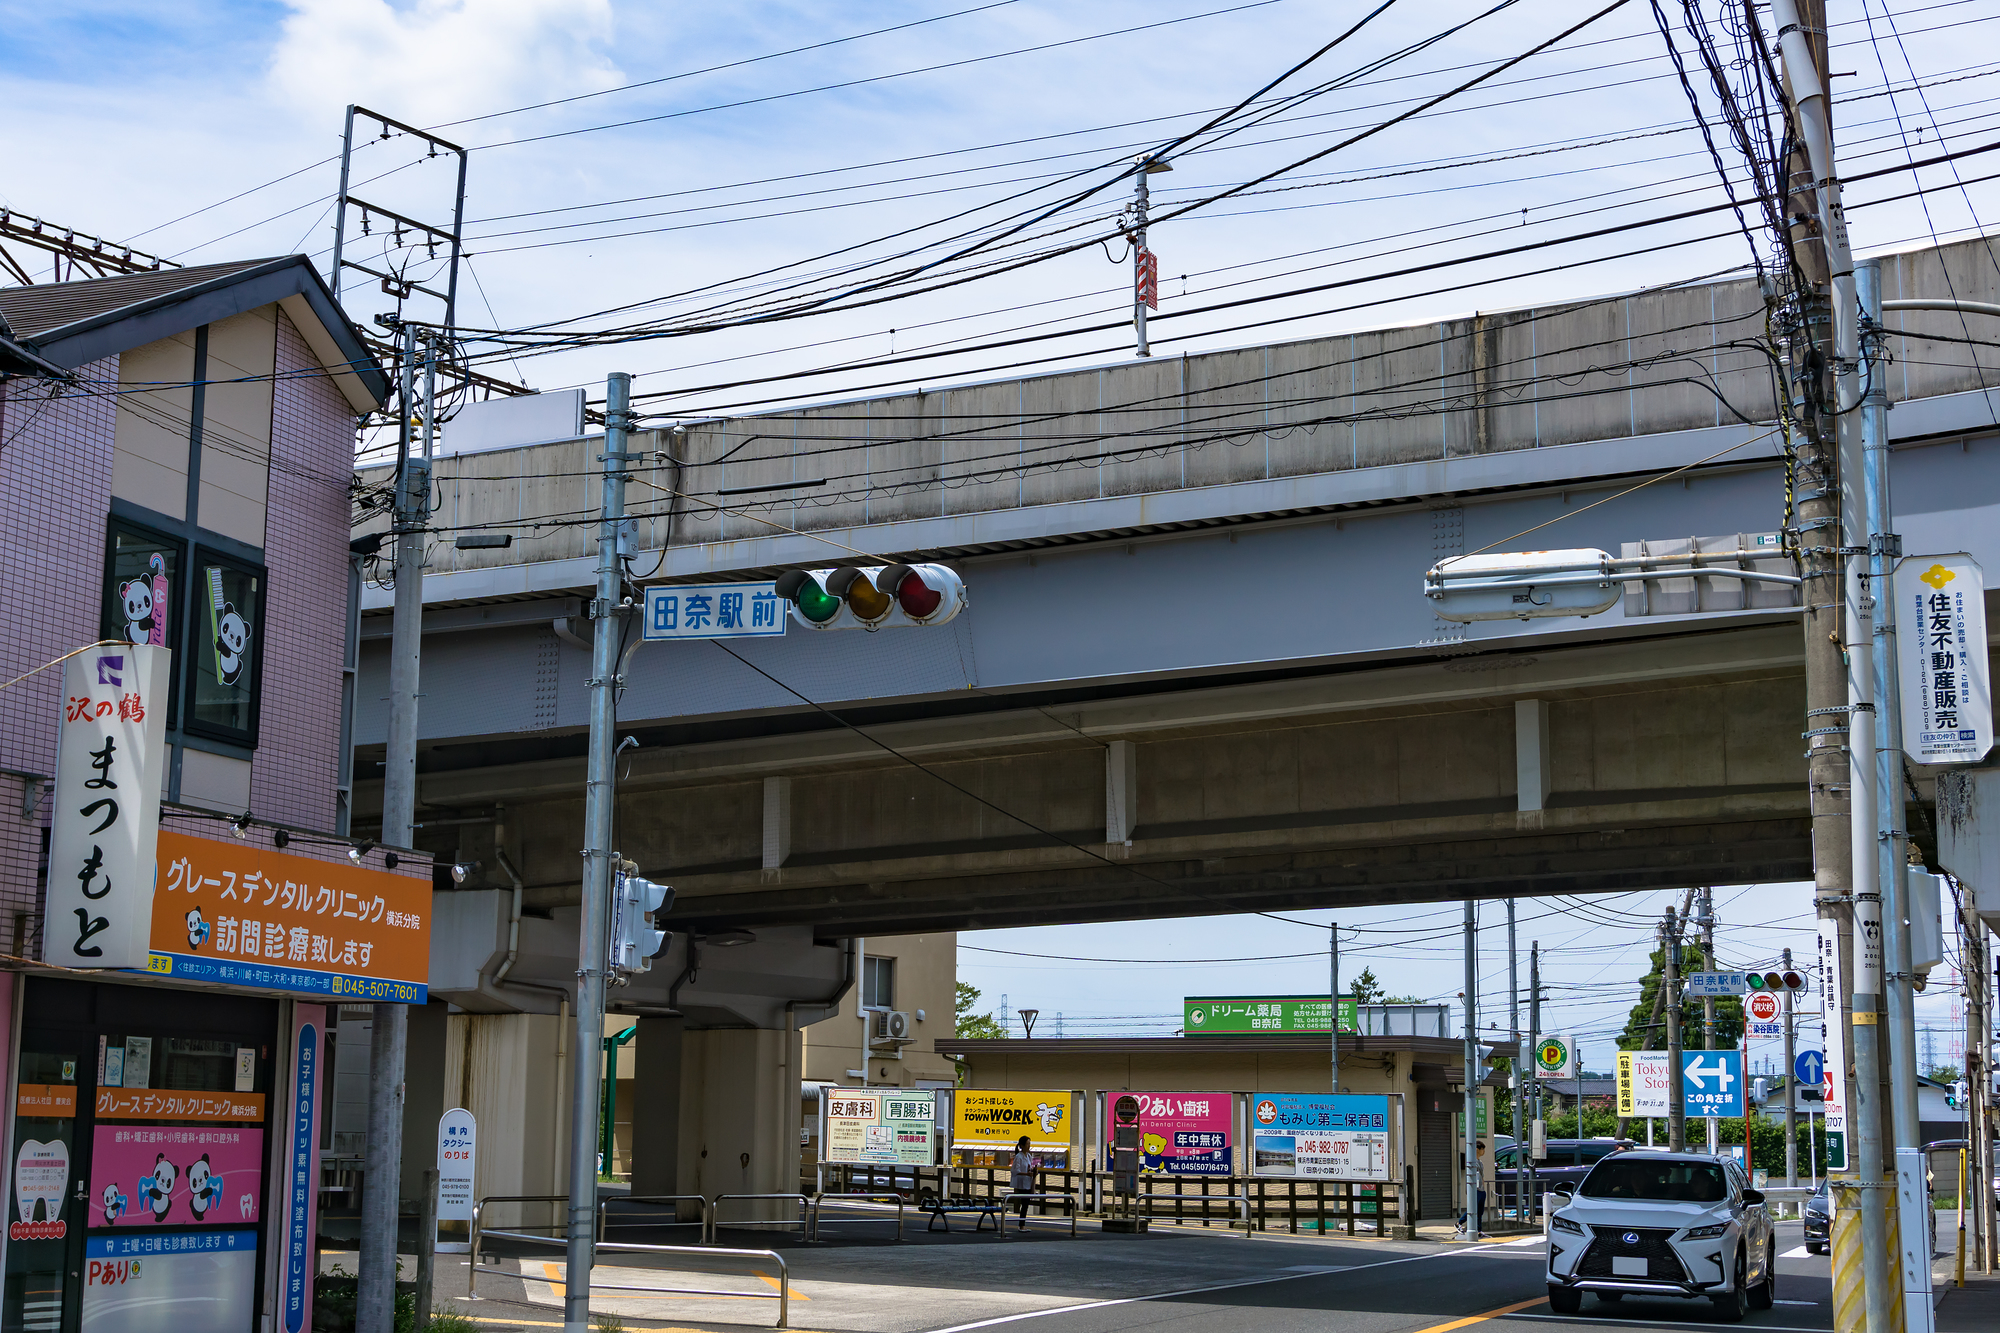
(772, 1283)
(1482, 1318)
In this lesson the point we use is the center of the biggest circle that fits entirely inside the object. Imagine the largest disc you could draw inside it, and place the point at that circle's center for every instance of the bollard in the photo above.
(427, 1232)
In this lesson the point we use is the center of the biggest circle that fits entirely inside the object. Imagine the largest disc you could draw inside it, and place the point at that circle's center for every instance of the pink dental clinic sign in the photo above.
(175, 1175)
(1184, 1133)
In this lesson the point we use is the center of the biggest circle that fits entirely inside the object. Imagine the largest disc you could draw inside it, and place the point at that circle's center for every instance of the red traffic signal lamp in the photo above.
(872, 596)
(1787, 980)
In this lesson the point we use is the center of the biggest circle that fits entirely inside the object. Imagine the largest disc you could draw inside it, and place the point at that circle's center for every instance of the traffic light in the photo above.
(634, 941)
(1789, 979)
(872, 596)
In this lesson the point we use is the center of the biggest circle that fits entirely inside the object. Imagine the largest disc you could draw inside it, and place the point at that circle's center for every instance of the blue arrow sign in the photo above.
(1712, 1082)
(1809, 1068)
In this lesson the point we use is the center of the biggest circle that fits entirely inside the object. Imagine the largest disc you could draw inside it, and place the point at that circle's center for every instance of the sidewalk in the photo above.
(1973, 1308)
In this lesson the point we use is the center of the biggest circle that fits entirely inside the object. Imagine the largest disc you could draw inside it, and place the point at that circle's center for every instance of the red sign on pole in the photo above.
(1762, 1006)
(1146, 278)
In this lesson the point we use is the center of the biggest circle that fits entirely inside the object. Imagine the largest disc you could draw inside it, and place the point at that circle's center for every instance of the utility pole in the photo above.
(593, 945)
(1791, 1088)
(1849, 896)
(382, 1162)
(1707, 921)
(1145, 267)
(1471, 1143)
(1332, 990)
(1514, 1027)
(1671, 981)
(1534, 1034)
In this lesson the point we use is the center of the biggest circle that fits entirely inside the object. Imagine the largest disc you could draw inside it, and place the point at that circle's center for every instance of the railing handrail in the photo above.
(1242, 1199)
(805, 1212)
(1073, 1204)
(782, 1295)
(604, 1203)
(819, 1203)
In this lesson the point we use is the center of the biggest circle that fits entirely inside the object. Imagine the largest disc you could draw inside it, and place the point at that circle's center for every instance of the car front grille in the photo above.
(1608, 1243)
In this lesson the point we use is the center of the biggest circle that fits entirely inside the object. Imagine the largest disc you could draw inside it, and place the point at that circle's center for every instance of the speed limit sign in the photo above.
(1762, 1006)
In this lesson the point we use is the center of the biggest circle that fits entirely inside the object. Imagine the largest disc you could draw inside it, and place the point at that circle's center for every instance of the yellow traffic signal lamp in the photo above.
(872, 596)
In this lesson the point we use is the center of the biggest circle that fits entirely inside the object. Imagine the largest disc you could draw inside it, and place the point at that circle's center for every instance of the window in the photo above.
(878, 983)
(1655, 1179)
(206, 606)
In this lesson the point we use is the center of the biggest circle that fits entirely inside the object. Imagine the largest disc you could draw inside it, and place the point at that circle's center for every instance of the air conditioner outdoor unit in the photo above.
(891, 1027)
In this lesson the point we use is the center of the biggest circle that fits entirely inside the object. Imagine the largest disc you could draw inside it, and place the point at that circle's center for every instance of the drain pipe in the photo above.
(498, 980)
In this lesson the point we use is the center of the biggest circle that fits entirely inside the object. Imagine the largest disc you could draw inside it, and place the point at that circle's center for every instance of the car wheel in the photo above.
(1732, 1306)
(1610, 1297)
(1565, 1300)
(1764, 1293)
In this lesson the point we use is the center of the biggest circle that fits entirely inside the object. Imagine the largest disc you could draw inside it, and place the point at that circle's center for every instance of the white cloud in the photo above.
(437, 60)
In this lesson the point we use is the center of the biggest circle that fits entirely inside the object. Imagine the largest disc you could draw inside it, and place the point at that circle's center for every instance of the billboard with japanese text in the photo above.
(1206, 1015)
(244, 915)
(887, 1126)
(1319, 1136)
(1184, 1133)
(992, 1120)
(175, 1175)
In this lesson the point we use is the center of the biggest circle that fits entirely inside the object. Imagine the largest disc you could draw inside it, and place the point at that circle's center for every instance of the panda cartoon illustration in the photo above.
(157, 1190)
(114, 1204)
(137, 597)
(204, 1188)
(197, 929)
(232, 640)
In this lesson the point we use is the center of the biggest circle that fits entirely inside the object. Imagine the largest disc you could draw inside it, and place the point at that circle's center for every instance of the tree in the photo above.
(969, 1024)
(1942, 1073)
(1644, 1033)
(1366, 989)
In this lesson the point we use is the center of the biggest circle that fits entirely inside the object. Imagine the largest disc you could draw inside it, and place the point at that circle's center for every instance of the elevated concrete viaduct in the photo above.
(1197, 674)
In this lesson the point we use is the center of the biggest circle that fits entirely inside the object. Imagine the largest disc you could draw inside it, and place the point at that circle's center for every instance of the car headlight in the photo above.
(1704, 1233)
(1561, 1223)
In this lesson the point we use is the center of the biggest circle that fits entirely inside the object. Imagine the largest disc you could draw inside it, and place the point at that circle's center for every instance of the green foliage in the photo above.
(1946, 1074)
(608, 1323)
(1642, 1034)
(1366, 989)
(970, 1024)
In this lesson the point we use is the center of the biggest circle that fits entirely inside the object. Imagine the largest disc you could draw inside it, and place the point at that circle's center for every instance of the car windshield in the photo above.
(1655, 1179)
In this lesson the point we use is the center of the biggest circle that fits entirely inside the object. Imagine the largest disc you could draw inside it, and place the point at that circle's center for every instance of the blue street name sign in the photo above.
(1712, 1082)
(713, 611)
(1704, 984)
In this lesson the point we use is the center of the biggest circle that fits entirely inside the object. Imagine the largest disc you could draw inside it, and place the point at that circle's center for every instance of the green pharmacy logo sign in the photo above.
(1240, 1015)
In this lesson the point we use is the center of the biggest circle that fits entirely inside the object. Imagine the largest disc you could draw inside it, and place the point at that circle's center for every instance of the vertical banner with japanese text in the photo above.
(1941, 660)
(110, 763)
(301, 1185)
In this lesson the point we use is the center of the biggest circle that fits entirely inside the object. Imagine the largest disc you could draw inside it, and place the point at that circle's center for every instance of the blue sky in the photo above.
(124, 117)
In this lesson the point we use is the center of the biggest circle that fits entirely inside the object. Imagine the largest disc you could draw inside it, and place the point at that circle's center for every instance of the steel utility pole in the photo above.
(382, 1162)
(1670, 979)
(1471, 1143)
(1145, 268)
(1534, 1035)
(1712, 1125)
(1514, 1027)
(600, 799)
(1855, 895)
(1333, 994)
(1791, 1088)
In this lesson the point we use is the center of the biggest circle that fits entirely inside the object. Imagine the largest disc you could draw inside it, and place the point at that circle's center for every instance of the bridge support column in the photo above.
(1531, 760)
(656, 1106)
(777, 822)
(1121, 792)
(739, 1117)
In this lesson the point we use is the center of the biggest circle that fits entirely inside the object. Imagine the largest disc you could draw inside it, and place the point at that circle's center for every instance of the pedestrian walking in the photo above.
(1021, 1176)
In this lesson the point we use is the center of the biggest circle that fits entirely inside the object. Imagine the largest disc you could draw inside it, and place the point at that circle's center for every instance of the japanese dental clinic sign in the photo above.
(110, 761)
(995, 1119)
(713, 611)
(1941, 659)
(889, 1127)
(243, 915)
(1319, 1136)
(1184, 1133)
(1204, 1015)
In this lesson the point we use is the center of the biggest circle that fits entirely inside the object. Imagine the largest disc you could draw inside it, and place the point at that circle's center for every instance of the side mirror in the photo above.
(1563, 1187)
(1753, 1196)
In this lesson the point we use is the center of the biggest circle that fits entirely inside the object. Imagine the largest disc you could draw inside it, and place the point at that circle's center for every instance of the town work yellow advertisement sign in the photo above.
(994, 1119)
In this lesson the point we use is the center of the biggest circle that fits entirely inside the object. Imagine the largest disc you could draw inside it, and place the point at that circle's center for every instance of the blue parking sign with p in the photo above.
(713, 611)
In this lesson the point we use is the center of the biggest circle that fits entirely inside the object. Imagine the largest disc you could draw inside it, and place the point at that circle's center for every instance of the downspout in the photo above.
(687, 974)
(498, 981)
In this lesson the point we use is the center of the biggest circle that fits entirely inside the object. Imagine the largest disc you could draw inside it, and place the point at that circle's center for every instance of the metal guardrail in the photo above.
(1070, 1202)
(1241, 1200)
(805, 1214)
(820, 1201)
(604, 1203)
(782, 1295)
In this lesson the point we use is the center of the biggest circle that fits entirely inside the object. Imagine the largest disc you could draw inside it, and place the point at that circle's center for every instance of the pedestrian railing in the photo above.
(804, 1223)
(625, 1216)
(782, 1295)
(873, 1203)
(1149, 1205)
(1071, 1205)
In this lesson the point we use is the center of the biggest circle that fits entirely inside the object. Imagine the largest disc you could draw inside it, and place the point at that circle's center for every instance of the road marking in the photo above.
(1795, 1302)
(1800, 1253)
(772, 1283)
(1472, 1319)
(1198, 1291)
(1654, 1323)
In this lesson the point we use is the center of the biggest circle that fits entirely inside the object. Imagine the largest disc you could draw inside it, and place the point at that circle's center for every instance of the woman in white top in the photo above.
(1021, 1176)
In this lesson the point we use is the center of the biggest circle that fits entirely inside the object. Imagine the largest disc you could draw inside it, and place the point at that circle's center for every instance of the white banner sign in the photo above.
(110, 760)
(1834, 1070)
(458, 1146)
(1644, 1078)
(1941, 659)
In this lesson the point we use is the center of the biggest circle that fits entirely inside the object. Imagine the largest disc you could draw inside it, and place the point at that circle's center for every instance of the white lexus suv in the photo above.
(1664, 1224)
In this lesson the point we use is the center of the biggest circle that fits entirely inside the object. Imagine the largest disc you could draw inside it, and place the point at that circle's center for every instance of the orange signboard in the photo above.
(53, 1101)
(168, 1104)
(249, 916)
